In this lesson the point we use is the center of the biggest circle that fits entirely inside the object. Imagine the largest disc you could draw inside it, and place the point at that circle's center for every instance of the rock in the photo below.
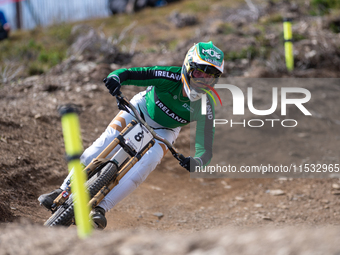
(310, 54)
(267, 218)
(100, 109)
(114, 66)
(258, 72)
(303, 135)
(155, 188)
(31, 80)
(91, 87)
(50, 88)
(91, 45)
(224, 183)
(282, 206)
(239, 198)
(336, 186)
(276, 192)
(294, 154)
(85, 67)
(217, 27)
(5, 212)
(159, 215)
(100, 72)
(182, 20)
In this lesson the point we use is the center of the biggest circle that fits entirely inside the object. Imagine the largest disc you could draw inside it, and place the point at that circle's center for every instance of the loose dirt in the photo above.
(170, 213)
(169, 201)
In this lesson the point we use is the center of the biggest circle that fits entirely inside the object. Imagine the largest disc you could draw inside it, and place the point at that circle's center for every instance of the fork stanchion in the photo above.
(74, 148)
(288, 40)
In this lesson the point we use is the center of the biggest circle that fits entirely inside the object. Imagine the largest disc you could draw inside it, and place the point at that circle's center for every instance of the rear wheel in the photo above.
(65, 213)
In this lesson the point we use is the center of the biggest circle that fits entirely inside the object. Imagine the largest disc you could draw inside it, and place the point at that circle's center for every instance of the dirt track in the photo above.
(170, 213)
(33, 163)
(229, 241)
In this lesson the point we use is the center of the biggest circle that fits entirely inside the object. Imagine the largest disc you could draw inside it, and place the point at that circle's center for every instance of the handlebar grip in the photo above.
(181, 157)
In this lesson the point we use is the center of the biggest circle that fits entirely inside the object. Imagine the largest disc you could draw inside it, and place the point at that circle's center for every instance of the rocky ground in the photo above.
(171, 213)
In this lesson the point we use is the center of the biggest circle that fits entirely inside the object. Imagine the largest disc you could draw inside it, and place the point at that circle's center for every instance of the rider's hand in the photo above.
(113, 85)
(189, 163)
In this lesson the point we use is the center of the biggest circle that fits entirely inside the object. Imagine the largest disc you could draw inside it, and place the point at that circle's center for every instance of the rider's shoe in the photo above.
(98, 217)
(47, 199)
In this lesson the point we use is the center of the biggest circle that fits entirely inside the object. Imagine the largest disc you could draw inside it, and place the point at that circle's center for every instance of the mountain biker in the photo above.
(171, 101)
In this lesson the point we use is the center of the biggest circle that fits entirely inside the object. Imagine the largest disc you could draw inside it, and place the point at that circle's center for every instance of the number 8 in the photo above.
(139, 136)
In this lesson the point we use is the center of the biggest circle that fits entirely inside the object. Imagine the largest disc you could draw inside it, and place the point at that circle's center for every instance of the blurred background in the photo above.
(27, 14)
(250, 32)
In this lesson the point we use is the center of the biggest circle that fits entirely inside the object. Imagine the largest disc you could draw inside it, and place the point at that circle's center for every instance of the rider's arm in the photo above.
(164, 77)
(146, 76)
(205, 136)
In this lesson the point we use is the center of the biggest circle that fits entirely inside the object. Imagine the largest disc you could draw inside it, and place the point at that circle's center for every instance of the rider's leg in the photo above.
(115, 127)
(111, 132)
(140, 171)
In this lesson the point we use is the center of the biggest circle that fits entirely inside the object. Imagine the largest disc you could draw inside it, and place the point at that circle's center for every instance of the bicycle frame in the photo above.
(135, 140)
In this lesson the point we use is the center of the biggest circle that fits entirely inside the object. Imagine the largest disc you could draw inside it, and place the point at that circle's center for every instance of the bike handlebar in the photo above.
(123, 103)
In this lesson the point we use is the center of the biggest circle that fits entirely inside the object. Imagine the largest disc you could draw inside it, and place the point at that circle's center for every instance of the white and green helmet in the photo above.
(207, 58)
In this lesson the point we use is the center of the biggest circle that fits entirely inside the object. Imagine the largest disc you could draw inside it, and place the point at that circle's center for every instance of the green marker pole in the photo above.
(74, 148)
(288, 40)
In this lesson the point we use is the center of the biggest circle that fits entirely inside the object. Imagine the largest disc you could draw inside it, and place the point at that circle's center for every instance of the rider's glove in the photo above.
(113, 85)
(190, 163)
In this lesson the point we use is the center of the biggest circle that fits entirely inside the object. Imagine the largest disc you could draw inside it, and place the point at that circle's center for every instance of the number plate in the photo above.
(138, 137)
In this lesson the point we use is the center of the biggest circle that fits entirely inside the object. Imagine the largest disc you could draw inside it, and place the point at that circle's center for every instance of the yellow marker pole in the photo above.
(288, 40)
(74, 148)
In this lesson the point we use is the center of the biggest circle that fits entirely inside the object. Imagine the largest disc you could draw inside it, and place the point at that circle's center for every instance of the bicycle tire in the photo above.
(65, 213)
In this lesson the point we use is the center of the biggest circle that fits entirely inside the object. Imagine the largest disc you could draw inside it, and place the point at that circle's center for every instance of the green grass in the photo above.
(226, 28)
(42, 48)
(335, 27)
(38, 50)
(273, 18)
(322, 7)
(248, 52)
(296, 37)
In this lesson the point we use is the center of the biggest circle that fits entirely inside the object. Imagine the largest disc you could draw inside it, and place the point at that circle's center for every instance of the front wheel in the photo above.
(64, 214)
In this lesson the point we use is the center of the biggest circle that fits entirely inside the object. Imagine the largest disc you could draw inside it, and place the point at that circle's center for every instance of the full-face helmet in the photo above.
(202, 66)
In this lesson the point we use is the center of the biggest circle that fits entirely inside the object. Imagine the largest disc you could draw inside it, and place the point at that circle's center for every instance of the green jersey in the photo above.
(167, 105)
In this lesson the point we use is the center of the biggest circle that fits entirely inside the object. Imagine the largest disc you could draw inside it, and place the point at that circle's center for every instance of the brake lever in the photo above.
(180, 157)
(122, 103)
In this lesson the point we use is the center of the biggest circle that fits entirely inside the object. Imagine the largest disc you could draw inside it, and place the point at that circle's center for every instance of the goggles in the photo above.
(209, 70)
(200, 78)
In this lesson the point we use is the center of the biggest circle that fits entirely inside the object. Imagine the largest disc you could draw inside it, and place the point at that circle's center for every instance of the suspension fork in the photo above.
(127, 166)
(101, 158)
